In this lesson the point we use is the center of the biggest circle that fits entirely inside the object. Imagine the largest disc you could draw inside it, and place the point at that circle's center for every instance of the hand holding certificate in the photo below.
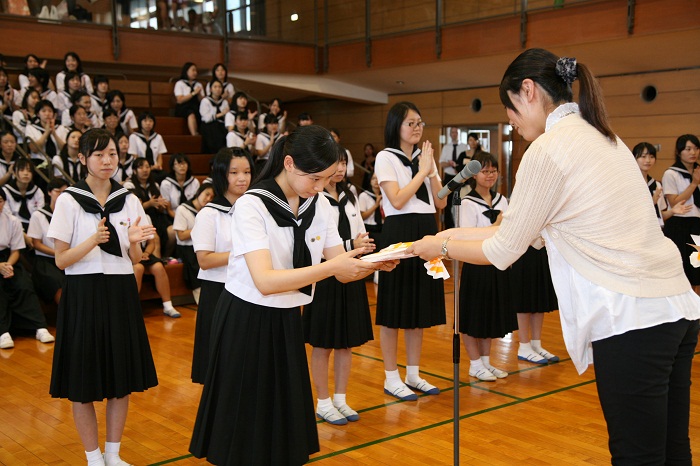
(434, 267)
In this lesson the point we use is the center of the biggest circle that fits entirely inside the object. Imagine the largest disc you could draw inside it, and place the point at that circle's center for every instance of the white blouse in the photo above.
(212, 232)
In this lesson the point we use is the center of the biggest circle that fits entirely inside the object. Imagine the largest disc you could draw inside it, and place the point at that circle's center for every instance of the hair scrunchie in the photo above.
(566, 69)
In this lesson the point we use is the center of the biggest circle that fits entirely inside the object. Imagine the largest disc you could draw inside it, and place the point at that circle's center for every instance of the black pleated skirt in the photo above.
(211, 291)
(190, 266)
(485, 309)
(407, 297)
(47, 278)
(531, 283)
(213, 136)
(339, 315)
(102, 348)
(678, 230)
(256, 406)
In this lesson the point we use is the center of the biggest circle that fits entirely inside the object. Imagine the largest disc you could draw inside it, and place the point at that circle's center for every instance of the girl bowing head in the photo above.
(256, 406)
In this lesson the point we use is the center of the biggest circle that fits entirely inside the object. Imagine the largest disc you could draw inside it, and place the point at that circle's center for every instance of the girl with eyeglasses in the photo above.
(408, 298)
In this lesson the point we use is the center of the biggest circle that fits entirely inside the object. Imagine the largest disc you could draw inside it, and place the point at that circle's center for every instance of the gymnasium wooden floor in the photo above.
(538, 415)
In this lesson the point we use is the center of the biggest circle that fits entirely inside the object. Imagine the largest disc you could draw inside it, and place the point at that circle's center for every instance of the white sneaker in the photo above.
(117, 462)
(44, 13)
(482, 374)
(501, 374)
(53, 13)
(171, 312)
(6, 341)
(44, 336)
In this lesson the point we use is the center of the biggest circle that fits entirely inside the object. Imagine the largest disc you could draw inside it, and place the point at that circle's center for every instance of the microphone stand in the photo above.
(456, 202)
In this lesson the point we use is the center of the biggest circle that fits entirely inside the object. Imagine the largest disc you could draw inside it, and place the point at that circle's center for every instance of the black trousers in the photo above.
(643, 379)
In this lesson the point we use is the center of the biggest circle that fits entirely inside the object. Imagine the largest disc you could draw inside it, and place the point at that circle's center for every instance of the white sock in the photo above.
(168, 305)
(476, 364)
(393, 379)
(94, 458)
(525, 349)
(536, 344)
(486, 360)
(112, 451)
(323, 405)
(339, 399)
(412, 373)
(195, 294)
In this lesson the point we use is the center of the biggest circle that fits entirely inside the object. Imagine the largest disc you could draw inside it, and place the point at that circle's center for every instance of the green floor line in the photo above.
(172, 460)
(447, 421)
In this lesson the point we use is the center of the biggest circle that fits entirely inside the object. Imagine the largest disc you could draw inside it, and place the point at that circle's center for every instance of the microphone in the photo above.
(471, 169)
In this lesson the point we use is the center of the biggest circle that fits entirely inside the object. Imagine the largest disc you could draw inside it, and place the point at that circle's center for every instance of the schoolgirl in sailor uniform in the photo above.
(680, 183)
(68, 159)
(39, 80)
(220, 73)
(241, 136)
(102, 351)
(239, 106)
(72, 63)
(256, 406)
(408, 298)
(23, 196)
(98, 99)
(7, 96)
(338, 318)
(485, 310)
(45, 135)
(126, 160)
(8, 155)
(275, 109)
(213, 110)
(48, 279)
(182, 224)
(370, 207)
(155, 205)
(65, 95)
(81, 99)
(188, 92)
(30, 61)
(211, 238)
(127, 119)
(265, 140)
(19, 305)
(147, 143)
(179, 186)
(645, 155)
(26, 114)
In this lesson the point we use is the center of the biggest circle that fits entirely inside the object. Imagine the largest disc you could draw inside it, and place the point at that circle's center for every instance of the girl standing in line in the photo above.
(102, 351)
(232, 170)
(408, 298)
(681, 183)
(182, 224)
(485, 310)
(338, 318)
(256, 406)
(645, 155)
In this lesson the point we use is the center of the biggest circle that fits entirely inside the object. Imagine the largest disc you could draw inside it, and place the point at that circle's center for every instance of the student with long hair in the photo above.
(127, 120)
(72, 63)
(256, 406)
(188, 93)
(183, 223)
(681, 183)
(408, 298)
(102, 350)
(338, 319)
(623, 297)
(231, 173)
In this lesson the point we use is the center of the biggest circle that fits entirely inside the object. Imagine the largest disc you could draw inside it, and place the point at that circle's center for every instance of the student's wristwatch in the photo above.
(444, 248)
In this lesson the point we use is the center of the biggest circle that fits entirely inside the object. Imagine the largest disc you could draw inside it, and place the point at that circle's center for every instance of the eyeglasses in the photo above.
(489, 172)
(414, 124)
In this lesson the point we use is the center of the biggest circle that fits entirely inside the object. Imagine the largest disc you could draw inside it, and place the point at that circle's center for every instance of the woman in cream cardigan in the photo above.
(622, 292)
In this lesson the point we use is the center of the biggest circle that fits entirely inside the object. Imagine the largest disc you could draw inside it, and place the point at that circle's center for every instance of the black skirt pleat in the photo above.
(408, 297)
(256, 406)
(531, 283)
(678, 230)
(102, 348)
(47, 278)
(190, 266)
(485, 309)
(211, 291)
(339, 315)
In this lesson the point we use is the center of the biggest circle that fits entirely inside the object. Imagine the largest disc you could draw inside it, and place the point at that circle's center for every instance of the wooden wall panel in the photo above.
(407, 50)
(270, 57)
(347, 57)
(667, 81)
(155, 48)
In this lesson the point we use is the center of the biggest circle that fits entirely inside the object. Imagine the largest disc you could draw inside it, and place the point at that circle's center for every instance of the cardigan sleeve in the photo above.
(537, 196)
